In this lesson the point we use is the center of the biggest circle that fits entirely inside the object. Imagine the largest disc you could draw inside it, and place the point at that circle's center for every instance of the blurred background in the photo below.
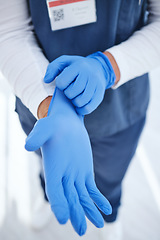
(20, 192)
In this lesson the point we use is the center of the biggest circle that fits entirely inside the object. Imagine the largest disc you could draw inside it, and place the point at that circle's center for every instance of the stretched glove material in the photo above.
(83, 79)
(68, 165)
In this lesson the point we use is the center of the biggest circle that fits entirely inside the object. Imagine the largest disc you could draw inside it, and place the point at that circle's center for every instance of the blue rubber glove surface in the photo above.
(68, 165)
(83, 79)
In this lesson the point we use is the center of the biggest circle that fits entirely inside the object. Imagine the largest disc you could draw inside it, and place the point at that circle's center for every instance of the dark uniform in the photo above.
(115, 126)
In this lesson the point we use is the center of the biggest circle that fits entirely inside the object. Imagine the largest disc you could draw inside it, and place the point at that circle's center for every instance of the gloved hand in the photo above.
(83, 79)
(68, 165)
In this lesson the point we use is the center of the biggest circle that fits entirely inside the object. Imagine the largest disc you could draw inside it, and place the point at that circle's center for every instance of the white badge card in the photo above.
(71, 13)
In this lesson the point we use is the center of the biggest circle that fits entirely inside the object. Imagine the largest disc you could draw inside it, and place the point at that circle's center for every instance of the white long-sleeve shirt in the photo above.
(141, 52)
(23, 63)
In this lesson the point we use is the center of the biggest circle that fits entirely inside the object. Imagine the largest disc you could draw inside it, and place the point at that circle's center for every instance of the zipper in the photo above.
(139, 3)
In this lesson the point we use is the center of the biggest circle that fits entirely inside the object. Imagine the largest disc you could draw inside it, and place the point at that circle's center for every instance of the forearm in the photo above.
(22, 61)
(141, 52)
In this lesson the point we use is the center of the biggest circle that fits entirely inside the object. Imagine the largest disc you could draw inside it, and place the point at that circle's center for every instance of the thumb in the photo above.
(57, 66)
(39, 135)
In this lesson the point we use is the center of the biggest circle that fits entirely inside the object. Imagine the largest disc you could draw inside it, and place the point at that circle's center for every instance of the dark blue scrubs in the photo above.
(115, 126)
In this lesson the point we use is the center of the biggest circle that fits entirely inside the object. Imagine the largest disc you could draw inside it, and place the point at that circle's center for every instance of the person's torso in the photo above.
(116, 22)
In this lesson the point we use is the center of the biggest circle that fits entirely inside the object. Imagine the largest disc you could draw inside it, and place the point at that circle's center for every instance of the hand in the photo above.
(68, 165)
(83, 79)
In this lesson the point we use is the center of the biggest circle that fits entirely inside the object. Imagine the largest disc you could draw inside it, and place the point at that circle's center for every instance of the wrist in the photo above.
(43, 107)
(114, 66)
(64, 104)
(106, 65)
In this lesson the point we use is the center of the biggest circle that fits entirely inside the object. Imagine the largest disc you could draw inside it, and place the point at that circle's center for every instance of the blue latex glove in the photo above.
(68, 165)
(83, 79)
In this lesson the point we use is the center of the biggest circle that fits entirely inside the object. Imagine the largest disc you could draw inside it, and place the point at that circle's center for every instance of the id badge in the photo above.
(71, 13)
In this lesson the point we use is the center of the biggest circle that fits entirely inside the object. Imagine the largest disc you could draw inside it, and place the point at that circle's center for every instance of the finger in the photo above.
(39, 135)
(57, 200)
(86, 95)
(57, 66)
(68, 75)
(77, 215)
(93, 104)
(77, 87)
(97, 197)
(89, 207)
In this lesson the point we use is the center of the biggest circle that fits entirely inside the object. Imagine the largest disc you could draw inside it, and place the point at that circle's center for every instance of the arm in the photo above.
(84, 80)
(21, 60)
(141, 52)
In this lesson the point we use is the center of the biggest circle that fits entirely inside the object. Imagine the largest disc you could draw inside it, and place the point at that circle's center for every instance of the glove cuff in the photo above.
(108, 69)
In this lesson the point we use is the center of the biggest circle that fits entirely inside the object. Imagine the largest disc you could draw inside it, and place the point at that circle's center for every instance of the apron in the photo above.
(116, 21)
